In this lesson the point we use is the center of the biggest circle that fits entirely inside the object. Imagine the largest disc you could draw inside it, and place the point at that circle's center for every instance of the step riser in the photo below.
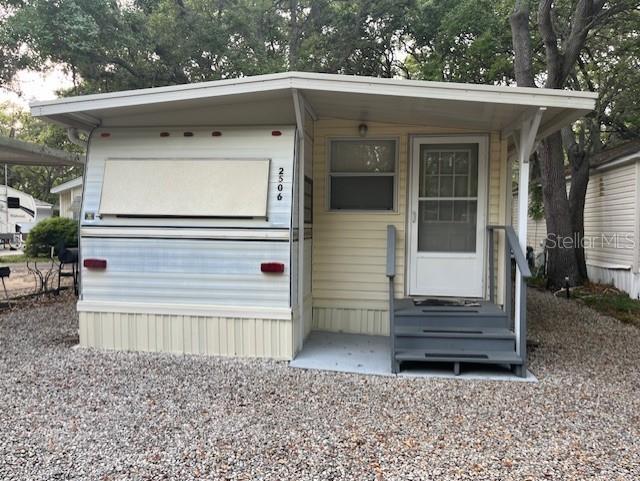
(444, 343)
(453, 321)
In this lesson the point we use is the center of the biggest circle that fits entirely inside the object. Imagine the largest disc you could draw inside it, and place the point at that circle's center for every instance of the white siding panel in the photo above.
(223, 336)
(204, 272)
(609, 217)
(623, 279)
(234, 143)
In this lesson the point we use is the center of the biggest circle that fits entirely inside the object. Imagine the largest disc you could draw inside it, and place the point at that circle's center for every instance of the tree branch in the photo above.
(583, 21)
(555, 59)
(521, 38)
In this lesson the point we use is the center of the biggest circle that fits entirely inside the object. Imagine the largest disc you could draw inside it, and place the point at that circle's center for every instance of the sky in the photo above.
(29, 86)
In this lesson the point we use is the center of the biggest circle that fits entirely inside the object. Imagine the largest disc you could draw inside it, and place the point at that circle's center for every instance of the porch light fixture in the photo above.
(362, 130)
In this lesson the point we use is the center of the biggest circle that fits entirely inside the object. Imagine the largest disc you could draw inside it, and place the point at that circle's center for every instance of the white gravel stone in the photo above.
(83, 414)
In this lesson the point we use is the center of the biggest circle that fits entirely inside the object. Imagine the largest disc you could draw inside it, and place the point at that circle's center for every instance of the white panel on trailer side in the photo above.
(178, 265)
(202, 143)
(198, 188)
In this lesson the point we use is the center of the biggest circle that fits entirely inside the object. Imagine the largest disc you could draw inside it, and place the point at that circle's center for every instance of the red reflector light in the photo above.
(105, 135)
(95, 263)
(216, 133)
(271, 267)
(276, 133)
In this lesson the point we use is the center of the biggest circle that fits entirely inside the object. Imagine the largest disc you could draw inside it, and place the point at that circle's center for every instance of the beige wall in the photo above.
(611, 208)
(187, 334)
(349, 249)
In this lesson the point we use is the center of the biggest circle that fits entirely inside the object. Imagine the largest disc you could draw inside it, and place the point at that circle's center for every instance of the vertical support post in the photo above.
(299, 170)
(492, 273)
(525, 145)
(523, 214)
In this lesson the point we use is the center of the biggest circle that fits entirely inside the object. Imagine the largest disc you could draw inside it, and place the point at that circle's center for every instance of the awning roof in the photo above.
(68, 185)
(13, 151)
(268, 99)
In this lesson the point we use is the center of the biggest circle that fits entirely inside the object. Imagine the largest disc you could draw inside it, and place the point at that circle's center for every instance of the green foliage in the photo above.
(52, 232)
(460, 41)
(536, 205)
(611, 302)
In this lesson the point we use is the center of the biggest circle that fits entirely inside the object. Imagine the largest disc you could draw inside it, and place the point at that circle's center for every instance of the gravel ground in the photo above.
(81, 414)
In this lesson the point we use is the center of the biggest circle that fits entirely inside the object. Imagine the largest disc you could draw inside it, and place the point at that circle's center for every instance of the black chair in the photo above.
(5, 272)
(68, 256)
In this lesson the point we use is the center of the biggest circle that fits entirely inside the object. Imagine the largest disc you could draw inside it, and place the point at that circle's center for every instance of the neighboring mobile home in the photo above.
(611, 219)
(233, 217)
(69, 198)
(18, 210)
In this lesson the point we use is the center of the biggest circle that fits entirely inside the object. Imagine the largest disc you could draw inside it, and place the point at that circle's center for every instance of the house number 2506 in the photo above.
(280, 182)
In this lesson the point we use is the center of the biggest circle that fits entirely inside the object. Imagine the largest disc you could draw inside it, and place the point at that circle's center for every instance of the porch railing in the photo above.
(391, 274)
(511, 247)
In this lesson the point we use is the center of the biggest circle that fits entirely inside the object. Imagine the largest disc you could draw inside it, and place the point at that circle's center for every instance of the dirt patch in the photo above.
(23, 282)
(609, 301)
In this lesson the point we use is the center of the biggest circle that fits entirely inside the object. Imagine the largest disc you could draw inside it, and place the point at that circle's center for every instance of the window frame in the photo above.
(395, 174)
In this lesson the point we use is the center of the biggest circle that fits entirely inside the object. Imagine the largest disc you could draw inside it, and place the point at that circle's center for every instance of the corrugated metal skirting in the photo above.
(357, 321)
(222, 336)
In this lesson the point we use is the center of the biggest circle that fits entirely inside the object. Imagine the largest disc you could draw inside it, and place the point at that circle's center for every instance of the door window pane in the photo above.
(447, 226)
(447, 216)
(461, 186)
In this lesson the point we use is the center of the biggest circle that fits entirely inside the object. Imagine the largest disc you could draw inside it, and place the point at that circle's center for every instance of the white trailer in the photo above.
(190, 221)
(18, 213)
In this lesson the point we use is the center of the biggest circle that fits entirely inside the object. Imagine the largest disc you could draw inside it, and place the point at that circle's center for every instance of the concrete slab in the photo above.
(362, 354)
(356, 353)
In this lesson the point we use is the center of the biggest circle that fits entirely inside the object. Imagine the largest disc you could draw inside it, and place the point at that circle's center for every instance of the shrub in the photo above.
(52, 232)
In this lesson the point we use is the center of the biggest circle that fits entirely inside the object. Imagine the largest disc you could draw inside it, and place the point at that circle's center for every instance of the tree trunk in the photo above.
(562, 261)
(294, 35)
(579, 161)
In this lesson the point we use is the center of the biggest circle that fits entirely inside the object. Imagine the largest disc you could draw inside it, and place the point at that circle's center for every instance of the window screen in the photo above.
(362, 174)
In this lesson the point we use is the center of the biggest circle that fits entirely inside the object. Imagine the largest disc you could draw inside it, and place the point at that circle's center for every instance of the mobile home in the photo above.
(69, 198)
(611, 219)
(234, 217)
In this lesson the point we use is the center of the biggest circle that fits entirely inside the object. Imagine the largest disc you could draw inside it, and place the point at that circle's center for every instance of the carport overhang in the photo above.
(268, 100)
(14, 151)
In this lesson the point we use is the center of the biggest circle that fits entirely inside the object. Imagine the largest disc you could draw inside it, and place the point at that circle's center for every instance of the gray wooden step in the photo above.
(454, 339)
(436, 355)
(480, 314)
(461, 332)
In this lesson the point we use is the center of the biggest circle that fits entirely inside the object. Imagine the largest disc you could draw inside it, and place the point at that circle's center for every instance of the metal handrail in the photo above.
(391, 274)
(512, 246)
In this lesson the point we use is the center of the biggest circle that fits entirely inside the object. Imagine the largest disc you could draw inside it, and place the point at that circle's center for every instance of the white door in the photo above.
(447, 216)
